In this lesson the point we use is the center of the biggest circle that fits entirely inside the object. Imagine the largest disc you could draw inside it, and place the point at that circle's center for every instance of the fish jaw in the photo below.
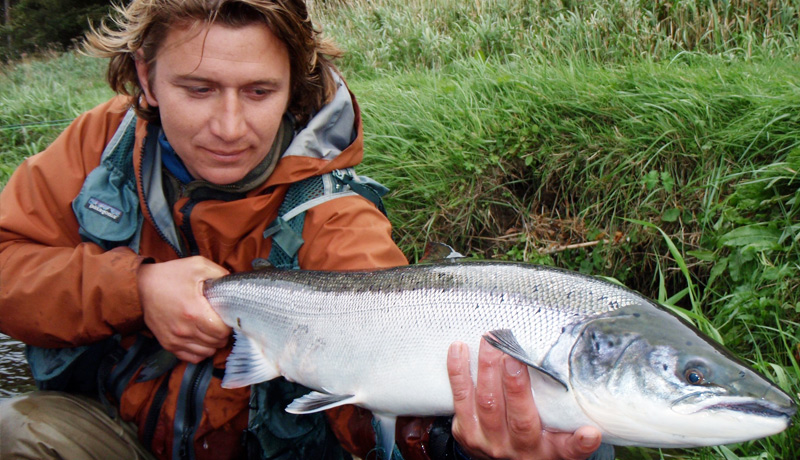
(630, 370)
(640, 421)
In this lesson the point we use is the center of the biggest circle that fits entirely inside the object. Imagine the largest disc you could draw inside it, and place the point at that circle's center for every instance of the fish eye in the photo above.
(694, 376)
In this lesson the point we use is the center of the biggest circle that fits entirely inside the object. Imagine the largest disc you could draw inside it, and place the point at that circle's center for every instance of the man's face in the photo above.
(221, 94)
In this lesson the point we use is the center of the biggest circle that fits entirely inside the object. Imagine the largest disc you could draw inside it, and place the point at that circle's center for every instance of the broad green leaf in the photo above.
(759, 238)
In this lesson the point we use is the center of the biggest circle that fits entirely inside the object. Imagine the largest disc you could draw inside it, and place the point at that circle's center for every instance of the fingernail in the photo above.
(588, 441)
(455, 350)
(513, 367)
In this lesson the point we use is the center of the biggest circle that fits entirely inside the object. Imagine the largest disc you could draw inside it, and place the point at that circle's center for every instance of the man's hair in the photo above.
(144, 24)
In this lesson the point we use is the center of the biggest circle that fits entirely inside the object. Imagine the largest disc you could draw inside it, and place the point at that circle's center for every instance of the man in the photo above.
(107, 236)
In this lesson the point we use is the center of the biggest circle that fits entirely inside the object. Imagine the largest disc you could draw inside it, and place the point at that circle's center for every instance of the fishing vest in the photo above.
(109, 214)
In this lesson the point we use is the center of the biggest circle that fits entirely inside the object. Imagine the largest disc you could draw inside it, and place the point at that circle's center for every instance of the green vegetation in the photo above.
(39, 98)
(654, 142)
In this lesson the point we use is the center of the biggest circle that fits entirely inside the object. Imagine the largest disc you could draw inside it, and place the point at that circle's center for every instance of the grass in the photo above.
(657, 143)
(39, 97)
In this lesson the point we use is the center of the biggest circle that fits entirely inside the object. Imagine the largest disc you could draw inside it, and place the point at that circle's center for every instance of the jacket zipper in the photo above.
(191, 412)
(186, 227)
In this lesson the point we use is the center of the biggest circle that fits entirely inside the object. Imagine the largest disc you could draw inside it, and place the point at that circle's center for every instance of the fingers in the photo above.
(211, 329)
(490, 402)
(460, 379)
(579, 445)
(479, 425)
(175, 310)
(522, 417)
(209, 324)
(497, 418)
(466, 426)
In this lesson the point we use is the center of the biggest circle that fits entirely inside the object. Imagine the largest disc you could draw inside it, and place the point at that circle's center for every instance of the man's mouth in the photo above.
(226, 154)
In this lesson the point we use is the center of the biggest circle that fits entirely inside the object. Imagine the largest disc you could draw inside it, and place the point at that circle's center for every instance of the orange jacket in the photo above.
(57, 291)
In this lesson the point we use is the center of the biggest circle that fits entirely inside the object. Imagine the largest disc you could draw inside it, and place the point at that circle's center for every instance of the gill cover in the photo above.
(648, 378)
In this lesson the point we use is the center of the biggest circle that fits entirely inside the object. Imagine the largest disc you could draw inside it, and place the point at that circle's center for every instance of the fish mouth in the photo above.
(749, 406)
(764, 409)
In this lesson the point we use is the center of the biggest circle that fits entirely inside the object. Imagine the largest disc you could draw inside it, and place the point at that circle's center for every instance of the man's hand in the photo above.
(498, 417)
(176, 311)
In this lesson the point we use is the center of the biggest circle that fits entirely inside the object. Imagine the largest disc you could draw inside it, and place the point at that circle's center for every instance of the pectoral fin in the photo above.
(504, 340)
(246, 364)
(316, 401)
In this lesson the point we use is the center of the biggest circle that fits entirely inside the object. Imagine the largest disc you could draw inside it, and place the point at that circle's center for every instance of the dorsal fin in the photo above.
(439, 252)
(260, 263)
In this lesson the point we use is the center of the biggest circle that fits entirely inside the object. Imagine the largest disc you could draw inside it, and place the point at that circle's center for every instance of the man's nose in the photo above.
(228, 123)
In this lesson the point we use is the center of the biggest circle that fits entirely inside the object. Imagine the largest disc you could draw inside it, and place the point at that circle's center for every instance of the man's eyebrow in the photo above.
(197, 79)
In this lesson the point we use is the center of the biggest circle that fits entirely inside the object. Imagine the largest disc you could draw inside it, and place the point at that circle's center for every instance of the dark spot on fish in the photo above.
(597, 346)
(239, 322)
(666, 367)
(610, 344)
(569, 294)
(636, 315)
(563, 329)
(688, 343)
(741, 374)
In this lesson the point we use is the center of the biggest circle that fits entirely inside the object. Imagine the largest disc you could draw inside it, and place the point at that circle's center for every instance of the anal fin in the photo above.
(317, 401)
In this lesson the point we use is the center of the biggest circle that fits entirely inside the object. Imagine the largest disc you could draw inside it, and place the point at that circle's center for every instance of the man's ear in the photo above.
(143, 72)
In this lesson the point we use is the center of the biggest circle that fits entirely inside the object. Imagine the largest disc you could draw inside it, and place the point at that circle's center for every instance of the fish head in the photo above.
(648, 378)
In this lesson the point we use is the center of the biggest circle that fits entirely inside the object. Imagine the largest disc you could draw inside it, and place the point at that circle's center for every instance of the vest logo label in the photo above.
(104, 209)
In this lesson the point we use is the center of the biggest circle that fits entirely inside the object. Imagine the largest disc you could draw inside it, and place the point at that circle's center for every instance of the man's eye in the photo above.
(198, 90)
(259, 92)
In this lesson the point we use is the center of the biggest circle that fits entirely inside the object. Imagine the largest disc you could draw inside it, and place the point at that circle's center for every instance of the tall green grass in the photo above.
(654, 142)
(391, 35)
(39, 97)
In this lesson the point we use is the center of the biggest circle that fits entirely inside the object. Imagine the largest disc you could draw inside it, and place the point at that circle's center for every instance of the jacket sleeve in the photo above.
(351, 234)
(348, 233)
(55, 290)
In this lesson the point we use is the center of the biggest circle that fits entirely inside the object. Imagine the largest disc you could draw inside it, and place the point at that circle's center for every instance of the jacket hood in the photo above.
(332, 139)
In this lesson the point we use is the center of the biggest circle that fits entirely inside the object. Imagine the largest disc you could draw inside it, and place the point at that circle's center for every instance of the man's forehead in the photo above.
(210, 40)
(193, 47)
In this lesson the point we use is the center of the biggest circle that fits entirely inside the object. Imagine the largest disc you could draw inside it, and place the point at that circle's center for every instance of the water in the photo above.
(15, 378)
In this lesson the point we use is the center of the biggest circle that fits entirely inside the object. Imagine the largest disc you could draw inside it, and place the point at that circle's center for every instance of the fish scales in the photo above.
(381, 310)
(598, 354)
